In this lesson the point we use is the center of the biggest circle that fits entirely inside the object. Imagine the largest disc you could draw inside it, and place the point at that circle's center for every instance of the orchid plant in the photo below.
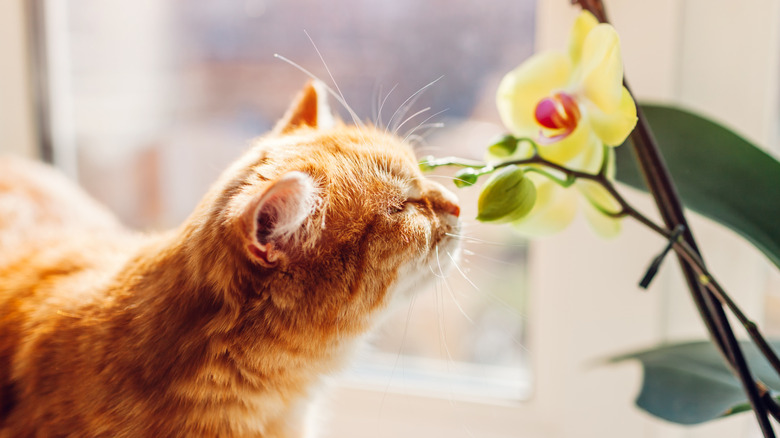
(569, 115)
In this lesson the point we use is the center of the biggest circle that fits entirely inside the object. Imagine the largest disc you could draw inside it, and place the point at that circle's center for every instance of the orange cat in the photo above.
(224, 326)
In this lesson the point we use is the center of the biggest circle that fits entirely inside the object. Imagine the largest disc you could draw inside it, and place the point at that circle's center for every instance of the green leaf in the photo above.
(744, 407)
(717, 173)
(689, 383)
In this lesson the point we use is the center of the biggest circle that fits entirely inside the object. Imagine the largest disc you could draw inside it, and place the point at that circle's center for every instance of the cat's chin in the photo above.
(417, 277)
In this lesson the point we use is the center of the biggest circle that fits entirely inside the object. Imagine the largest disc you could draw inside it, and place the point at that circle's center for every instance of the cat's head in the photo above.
(329, 220)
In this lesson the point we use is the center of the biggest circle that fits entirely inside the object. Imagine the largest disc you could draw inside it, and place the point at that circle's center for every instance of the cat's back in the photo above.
(54, 239)
(58, 250)
(38, 204)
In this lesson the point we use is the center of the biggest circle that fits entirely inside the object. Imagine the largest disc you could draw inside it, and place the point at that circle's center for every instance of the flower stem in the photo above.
(689, 256)
(662, 188)
(705, 278)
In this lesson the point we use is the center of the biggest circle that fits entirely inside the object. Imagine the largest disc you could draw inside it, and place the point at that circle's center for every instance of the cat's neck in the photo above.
(214, 349)
(193, 309)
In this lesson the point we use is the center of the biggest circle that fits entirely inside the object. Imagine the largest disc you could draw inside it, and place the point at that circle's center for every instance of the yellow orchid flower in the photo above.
(567, 101)
(556, 206)
(571, 104)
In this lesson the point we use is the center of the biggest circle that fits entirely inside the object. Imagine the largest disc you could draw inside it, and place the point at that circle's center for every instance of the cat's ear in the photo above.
(310, 109)
(274, 219)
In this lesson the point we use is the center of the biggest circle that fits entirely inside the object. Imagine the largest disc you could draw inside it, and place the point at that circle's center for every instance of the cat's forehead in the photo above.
(372, 153)
(346, 160)
(388, 163)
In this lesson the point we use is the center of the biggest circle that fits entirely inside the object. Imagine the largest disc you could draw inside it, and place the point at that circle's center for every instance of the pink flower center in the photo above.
(559, 113)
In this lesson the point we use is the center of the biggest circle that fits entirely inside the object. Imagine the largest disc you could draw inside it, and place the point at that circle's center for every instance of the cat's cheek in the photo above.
(409, 282)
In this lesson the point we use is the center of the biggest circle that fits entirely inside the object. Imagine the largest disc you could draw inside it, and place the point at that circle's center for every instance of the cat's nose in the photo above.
(444, 200)
(448, 207)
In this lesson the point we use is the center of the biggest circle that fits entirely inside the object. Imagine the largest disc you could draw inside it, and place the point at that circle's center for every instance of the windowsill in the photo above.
(448, 380)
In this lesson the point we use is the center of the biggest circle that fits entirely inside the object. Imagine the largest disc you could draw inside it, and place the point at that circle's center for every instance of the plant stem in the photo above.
(706, 279)
(689, 257)
(662, 188)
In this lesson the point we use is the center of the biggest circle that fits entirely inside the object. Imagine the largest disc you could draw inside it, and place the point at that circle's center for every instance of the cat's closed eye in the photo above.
(398, 207)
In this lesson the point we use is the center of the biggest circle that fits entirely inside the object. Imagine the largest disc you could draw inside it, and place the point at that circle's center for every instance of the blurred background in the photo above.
(144, 103)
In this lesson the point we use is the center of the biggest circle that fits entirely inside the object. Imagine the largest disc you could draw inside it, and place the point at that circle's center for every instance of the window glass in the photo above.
(164, 94)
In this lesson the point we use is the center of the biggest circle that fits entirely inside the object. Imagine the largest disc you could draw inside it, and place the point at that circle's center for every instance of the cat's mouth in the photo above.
(447, 242)
(445, 250)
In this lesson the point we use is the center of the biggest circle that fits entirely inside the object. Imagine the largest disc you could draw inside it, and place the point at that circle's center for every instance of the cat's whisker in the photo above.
(407, 103)
(483, 271)
(399, 353)
(311, 75)
(427, 127)
(352, 113)
(401, 111)
(376, 99)
(440, 310)
(463, 274)
(382, 105)
(447, 177)
(413, 137)
(435, 274)
(504, 304)
(412, 117)
(491, 296)
(416, 140)
(443, 331)
(486, 242)
(488, 258)
(421, 137)
(423, 124)
(452, 295)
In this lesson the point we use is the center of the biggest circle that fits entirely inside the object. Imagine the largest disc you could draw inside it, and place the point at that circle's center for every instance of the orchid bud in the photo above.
(507, 196)
(466, 177)
(425, 163)
(503, 146)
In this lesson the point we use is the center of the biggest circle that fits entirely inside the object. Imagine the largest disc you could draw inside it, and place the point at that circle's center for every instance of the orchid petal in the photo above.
(522, 88)
(582, 26)
(599, 202)
(553, 211)
(598, 196)
(603, 225)
(570, 146)
(613, 128)
(591, 160)
(602, 68)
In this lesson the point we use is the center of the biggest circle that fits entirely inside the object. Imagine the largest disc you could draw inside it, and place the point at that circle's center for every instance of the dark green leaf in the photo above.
(744, 407)
(717, 173)
(689, 383)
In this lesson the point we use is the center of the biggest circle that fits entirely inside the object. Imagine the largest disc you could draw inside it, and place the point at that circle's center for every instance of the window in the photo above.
(155, 113)
(154, 98)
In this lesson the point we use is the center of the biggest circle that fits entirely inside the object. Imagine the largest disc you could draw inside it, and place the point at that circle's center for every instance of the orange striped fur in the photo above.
(225, 326)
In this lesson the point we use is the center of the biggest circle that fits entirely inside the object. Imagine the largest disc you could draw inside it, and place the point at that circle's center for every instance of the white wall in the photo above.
(17, 133)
